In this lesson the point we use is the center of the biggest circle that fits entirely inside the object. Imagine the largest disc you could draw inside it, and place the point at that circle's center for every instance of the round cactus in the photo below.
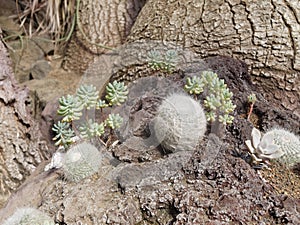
(29, 216)
(180, 123)
(81, 161)
(289, 143)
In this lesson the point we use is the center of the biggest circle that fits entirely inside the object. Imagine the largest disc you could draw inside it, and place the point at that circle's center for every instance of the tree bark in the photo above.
(21, 147)
(265, 34)
(104, 22)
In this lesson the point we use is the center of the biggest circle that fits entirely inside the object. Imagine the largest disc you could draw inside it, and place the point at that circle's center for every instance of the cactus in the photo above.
(81, 161)
(180, 123)
(277, 144)
(29, 216)
(289, 143)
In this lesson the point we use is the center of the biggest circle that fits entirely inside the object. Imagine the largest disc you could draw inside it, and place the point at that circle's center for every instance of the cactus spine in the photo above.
(29, 216)
(180, 123)
(289, 143)
(81, 161)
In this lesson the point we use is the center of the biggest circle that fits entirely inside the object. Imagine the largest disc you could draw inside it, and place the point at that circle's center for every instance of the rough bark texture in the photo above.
(21, 149)
(103, 22)
(265, 34)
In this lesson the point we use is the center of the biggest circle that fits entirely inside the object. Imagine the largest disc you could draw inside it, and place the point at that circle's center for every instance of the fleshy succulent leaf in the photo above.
(256, 136)
(88, 96)
(114, 121)
(116, 93)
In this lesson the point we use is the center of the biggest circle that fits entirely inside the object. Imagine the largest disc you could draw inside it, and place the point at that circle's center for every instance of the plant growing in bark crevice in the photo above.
(77, 108)
(165, 62)
(217, 99)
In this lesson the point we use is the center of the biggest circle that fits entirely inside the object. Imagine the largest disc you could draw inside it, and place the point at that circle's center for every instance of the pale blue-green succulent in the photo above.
(218, 97)
(114, 121)
(64, 133)
(101, 104)
(155, 60)
(70, 108)
(88, 96)
(194, 86)
(116, 93)
(91, 129)
(164, 62)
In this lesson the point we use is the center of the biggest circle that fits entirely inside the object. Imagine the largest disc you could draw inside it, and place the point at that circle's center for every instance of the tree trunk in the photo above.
(102, 22)
(21, 148)
(265, 34)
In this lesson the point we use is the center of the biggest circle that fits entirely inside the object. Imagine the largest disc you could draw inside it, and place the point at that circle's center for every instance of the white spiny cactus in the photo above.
(278, 144)
(180, 123)
(29, 216)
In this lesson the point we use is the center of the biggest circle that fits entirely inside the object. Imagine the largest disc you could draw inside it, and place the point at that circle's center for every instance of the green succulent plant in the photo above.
(91, 129)
(252, 98)
(88, 96)
(70, 108)
(154, 59)
(218, 97)
(101, 104)
(194, 86)
(170, 60)
(114, 121)
(116, 93)
(166, 62)
(64, 133)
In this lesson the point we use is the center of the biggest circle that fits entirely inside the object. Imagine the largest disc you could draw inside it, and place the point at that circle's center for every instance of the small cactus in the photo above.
(180, 123)
(277, 144)
(29, 216)
(81, 161)
(289, 143)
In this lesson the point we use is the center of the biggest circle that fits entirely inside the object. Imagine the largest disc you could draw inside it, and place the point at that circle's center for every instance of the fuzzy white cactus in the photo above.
(278, 144)
(180, 123)
(81, 161)
(29, 216)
